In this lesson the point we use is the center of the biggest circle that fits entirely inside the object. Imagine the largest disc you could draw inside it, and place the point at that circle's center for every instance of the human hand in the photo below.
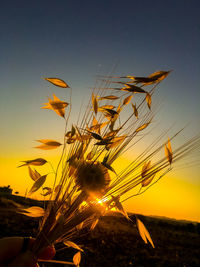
(15, 252)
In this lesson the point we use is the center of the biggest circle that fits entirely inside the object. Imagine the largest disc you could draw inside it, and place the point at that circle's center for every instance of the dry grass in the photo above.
(86, 186)
(115, 240)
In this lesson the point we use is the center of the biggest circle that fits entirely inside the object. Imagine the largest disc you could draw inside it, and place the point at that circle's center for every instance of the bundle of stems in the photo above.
(86, 185)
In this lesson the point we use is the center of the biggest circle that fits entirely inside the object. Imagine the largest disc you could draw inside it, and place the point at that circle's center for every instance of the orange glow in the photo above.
(175, 195)
(99, 201)
(83, 204)
(115, 209)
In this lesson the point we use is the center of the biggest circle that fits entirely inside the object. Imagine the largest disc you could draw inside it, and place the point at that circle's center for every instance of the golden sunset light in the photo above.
(100, 133)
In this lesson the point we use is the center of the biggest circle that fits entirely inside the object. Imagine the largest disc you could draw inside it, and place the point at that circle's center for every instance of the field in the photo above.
(115, 241)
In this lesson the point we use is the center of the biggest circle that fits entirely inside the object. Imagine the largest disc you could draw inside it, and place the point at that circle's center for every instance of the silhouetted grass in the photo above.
(115, 241)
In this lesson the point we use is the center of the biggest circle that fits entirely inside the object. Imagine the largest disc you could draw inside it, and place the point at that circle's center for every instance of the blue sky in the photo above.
(78, 40)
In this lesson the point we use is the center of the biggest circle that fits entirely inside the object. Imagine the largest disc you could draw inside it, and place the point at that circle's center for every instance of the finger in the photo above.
(10, 247)
(26, 259)
(47, 253)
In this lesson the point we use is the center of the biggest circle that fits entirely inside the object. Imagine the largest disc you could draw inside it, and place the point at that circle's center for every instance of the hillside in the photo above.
(115, 241)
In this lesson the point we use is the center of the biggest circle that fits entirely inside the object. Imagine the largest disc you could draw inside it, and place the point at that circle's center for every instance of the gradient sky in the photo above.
(77, 40)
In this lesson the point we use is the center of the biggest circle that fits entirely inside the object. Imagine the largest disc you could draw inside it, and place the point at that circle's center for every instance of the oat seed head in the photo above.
(119, 115)
(92, 177)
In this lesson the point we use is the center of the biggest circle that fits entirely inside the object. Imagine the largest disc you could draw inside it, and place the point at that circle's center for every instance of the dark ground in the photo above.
(116, 241)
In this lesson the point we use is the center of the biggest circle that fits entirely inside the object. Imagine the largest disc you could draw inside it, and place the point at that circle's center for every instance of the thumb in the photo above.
(26, 259)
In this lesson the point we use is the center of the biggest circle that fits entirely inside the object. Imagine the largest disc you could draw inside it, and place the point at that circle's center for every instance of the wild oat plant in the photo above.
(86, 185)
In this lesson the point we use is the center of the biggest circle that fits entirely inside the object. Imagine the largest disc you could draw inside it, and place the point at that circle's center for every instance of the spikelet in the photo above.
(86, 185)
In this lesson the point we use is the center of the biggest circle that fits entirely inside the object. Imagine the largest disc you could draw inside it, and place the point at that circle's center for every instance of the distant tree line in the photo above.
(6, 189)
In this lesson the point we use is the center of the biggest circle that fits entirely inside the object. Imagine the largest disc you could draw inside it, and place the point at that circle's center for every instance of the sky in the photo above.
(78, 40)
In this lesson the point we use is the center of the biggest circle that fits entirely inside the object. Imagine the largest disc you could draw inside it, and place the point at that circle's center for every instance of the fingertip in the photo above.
(26, 259)
(47, 253)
